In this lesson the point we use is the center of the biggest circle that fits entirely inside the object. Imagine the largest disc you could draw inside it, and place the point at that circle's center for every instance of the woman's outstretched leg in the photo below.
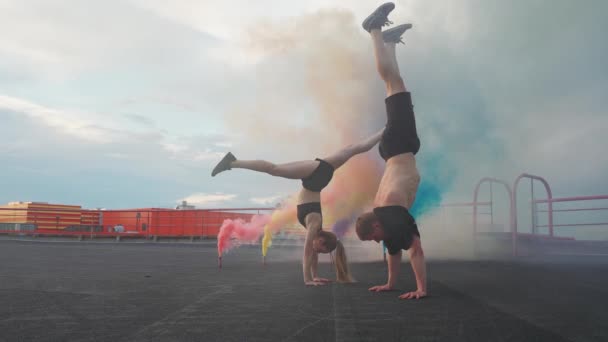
(342, 156)
(293, 170)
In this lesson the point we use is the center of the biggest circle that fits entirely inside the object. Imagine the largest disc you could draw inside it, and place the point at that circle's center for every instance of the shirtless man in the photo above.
(390, 221)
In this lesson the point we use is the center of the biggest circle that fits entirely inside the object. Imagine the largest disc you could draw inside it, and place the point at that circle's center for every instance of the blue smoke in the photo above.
(437, 173)
(437, 177)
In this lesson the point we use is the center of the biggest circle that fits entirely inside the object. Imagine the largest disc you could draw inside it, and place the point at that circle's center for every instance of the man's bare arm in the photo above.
(416, 255)
(394, 264)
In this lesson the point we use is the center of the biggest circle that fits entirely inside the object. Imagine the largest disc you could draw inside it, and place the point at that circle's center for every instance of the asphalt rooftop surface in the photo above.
(81, 291)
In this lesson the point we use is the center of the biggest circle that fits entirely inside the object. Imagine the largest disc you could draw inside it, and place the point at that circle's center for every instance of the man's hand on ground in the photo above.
(380, 288)
(413, 295)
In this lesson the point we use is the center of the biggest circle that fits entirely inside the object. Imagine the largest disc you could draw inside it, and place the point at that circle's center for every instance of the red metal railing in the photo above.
(549, 199)
(512, 217)
(511, 205)
(572, 200)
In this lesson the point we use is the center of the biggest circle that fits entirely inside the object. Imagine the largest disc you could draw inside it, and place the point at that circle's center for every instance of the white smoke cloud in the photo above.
(208, 200)
(269, 200)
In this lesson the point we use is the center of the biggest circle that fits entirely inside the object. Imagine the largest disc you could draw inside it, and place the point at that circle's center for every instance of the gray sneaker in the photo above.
(379, 17)
(224, 164)
(393, 35)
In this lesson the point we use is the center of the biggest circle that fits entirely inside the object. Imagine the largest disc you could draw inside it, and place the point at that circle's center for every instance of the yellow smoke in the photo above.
(278, 220)
(267, 240)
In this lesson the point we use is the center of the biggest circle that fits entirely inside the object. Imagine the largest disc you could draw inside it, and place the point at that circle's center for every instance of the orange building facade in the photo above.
(170, 222)
(46, 217)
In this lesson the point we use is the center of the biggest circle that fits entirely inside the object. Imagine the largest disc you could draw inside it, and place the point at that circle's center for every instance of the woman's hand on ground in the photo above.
(314, 283)
(323, 280)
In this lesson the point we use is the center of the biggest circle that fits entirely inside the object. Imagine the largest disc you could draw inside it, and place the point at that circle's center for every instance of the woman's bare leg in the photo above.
(293, 170)
(342, 156)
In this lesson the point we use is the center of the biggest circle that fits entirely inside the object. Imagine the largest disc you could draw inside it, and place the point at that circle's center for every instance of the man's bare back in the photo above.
(399, 182)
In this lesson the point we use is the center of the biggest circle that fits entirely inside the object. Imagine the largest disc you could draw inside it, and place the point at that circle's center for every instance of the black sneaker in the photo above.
(224, 164)
(393, 35)
(379, 17)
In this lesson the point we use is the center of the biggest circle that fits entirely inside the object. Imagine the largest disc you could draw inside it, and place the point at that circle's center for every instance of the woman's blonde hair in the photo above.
(330, 240)
(342, 272)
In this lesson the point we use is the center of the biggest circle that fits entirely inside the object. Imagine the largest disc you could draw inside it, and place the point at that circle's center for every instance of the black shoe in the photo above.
(393, 35)
(379, 17)
(224, 164)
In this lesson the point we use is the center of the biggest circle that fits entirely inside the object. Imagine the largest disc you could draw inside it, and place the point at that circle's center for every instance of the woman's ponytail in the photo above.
(342, 272)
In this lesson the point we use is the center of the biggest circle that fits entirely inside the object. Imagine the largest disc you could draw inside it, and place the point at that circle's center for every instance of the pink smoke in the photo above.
(241, 231)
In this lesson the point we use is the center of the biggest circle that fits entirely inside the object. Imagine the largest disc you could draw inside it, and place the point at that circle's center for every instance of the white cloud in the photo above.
(188, 151)
(61, 39)
(207, 155)
(224, 144)
(116, 155)
(269, 200)
(229, 19)
(68, 122)
(203, 199)
(174, 148)
(90, 128)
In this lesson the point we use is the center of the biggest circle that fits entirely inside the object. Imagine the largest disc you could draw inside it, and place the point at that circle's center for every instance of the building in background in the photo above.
(182, 221)
(45, 215)
(185, 206)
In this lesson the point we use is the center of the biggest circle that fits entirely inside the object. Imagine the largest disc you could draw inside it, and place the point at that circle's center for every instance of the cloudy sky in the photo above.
(123, 103)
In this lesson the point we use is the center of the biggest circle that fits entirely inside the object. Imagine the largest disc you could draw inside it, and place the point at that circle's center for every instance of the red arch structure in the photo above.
(476, 203)
(514, 206)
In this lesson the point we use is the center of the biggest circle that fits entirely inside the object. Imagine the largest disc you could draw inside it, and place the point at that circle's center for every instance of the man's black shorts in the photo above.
(400, 135)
